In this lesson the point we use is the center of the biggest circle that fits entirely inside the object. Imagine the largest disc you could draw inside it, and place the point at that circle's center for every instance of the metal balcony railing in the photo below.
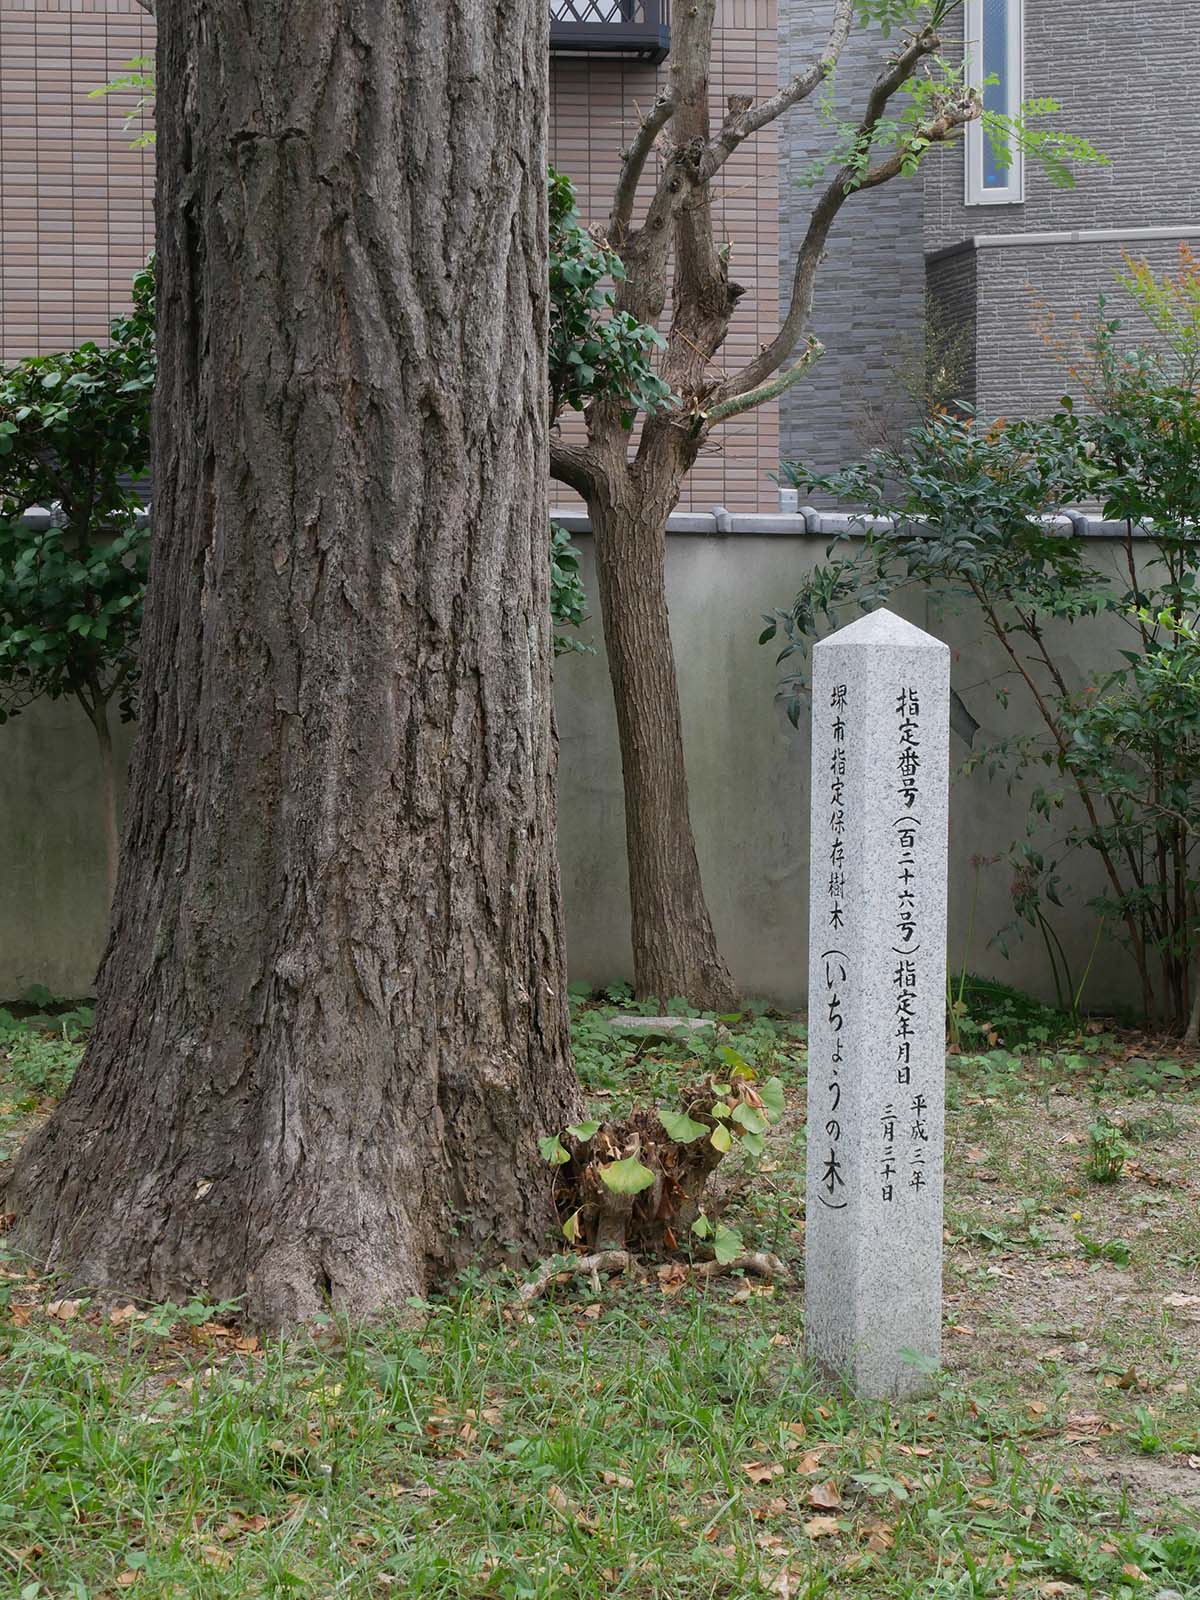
(639, 29)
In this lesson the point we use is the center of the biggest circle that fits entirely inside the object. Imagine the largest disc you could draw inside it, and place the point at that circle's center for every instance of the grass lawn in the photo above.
(662, 1437)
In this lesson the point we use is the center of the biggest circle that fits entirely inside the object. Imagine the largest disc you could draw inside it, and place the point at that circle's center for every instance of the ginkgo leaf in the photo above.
(626, 1177)
(680, 1127)
(570, 1228)
(727, 1244)
(721, 1139)
(583, 1131)
(753, 1121)
(552, 1150)
(771, 1095)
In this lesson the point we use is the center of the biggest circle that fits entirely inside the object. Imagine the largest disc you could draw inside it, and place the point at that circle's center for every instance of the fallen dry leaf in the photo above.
(825, 1496)
(1055, 1587)
(761, 1471)
(63, 1310)
(120, 1315)
(789, 1585)
(127, 1579)
(821, 1527)
(773, 1508)
(617, 1480)
(568, 1508)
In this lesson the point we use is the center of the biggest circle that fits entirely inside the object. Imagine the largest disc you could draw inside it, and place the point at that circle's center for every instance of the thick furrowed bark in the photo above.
(332, 1015)
(674, 947)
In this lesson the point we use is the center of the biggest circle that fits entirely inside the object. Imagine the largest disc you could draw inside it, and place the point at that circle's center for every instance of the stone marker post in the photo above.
(877, 1003)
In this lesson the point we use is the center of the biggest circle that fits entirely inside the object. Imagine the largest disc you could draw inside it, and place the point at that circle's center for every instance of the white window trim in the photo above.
(1013, 192)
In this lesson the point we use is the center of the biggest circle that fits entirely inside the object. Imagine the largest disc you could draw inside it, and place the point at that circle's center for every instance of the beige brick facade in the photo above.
(76, 213)
(595, 107)
(76, 219)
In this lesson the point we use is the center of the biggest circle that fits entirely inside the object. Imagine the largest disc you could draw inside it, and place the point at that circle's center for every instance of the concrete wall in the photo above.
(52, 898)
(749, 781)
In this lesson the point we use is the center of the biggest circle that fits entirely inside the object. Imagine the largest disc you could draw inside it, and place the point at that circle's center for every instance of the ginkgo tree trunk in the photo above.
(332, 1018)
(661, 226)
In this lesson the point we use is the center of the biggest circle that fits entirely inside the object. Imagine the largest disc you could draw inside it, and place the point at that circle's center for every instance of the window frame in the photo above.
(976, 191)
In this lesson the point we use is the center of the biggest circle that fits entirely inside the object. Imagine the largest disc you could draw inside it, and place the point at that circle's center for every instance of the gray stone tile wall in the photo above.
(1125, 77)
(1036, 311)
(869, 306)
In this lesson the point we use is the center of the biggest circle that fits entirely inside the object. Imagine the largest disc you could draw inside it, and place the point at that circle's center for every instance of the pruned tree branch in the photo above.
(742, 121)
(756, 375)
(571, 464)
(634, 164)
(735, 404)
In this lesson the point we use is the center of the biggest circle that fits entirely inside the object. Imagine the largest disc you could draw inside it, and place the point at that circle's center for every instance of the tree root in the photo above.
(755, 1263)
(601, 1261)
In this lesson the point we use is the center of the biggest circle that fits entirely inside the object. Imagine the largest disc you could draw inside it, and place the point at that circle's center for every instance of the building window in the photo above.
(994, 51)
(635, 29)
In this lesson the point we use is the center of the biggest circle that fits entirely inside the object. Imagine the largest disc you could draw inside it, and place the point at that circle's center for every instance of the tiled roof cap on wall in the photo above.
(807, 522)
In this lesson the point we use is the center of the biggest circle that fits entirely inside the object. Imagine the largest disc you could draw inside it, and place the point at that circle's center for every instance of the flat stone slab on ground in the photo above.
(666, 1026)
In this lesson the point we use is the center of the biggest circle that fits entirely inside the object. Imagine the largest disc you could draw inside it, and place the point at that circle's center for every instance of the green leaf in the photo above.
(771, 1094)
(570, 1228)
(721, 1139)
(747, 1117)
(583, 1131)
(680, 1127)
(702, 1227)
(727, 1244)
(753, 1144)
(627, 1177)
(551, 1148)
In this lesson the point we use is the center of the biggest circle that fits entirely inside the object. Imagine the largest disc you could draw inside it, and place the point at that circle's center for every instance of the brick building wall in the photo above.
(77, 202)
(596, 105)
(76, 219)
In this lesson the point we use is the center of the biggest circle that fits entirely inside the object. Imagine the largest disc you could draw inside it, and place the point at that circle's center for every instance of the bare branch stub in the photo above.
(757, 381)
